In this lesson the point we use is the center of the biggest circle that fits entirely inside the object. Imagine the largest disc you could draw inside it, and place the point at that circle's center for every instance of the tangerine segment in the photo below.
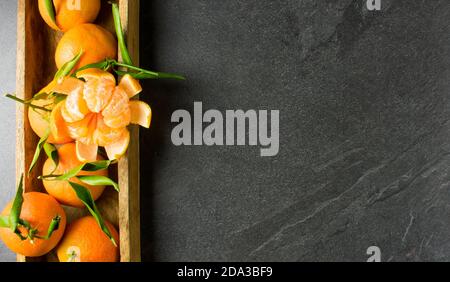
(104, 134)
(120, 120)
(141, 113)
(67, 85)
(58, 126)
(75, 108)
(86, 152)
(118, 103)
(80, 129)
(96, 42)
(38, 209)
(84, 241)
(69, 13)
(97, 93)
(62, 190)
(130, 85)
(118, 148)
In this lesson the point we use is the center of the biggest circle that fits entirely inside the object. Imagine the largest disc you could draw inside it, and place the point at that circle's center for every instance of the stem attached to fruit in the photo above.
(50, 10)
(136, 72)
(27, 103)
(120, 37)
(14, 214)
(86, 198)
(67, 68)
(13, 221)
(4, 222)
(38, 150)
(54, 225)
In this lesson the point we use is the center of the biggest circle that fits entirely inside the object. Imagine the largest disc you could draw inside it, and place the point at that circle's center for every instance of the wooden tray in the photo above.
(36, 44)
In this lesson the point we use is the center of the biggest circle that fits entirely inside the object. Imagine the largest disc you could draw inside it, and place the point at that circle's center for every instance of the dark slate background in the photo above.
(364, 131)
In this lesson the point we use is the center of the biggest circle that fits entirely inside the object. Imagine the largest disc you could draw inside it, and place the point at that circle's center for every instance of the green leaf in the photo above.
(39, 96)
(98, 165)
(27, 103)
(50, 10)
(24, 223)
(136, 72)
(38, 150)
(98, 180)
(86, 198)
(14, 215)
(103, 65)
(148, 75)
(58, 97)
(54, 225)
(52, 153)
(4, 221)
(93, 166)
(120, 37)
(67, 68)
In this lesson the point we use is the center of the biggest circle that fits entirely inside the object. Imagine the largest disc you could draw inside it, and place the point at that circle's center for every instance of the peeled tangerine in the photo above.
(97, 112)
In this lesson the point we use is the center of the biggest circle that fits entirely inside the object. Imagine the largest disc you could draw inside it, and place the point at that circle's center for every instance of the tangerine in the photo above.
(70, 13)
(96, 43)
(84, 241)
(38, 209)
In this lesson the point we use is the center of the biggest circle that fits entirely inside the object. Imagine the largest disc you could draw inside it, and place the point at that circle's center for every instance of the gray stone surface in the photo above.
(7, 109)
(364, 133)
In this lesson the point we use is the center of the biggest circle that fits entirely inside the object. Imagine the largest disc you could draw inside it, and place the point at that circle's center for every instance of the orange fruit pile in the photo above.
(77, 115)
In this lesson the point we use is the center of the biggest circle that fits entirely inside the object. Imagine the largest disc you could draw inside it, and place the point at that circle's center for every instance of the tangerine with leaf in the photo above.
(40, 227)
(61, 189)
(96, 43)
(66, 14)
(48, 122)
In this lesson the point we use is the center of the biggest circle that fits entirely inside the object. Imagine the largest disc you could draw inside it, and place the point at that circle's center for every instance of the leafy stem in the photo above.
(93, 180)
(27, 103)
(54, 225)
(86, 198)
(38, 150)
(16, 208)
(13, 221)
(68, 67)
(120, 36)
(136, 72)
(50, 10)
